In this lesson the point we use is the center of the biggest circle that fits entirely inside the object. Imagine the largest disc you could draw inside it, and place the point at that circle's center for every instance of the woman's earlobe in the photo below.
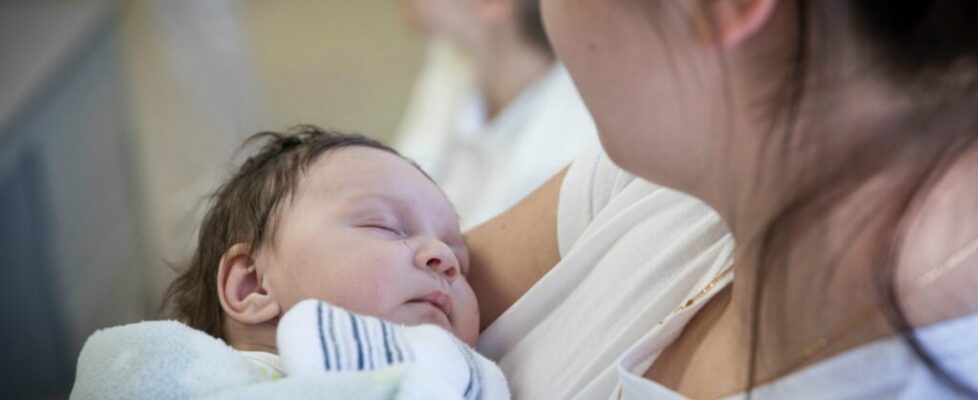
(728, 23)
(241, 288)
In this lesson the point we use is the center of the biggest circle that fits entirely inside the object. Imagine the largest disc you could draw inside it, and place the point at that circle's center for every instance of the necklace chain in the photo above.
(933, 275)
(809, 351)
(706, 290)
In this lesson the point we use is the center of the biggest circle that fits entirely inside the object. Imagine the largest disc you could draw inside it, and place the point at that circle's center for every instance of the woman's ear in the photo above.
(729, 22)
(242, 288)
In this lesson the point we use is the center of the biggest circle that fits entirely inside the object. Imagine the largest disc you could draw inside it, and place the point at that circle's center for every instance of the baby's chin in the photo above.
(413, 313)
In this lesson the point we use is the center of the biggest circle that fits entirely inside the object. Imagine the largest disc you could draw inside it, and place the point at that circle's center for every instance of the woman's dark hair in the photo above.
(531, 24)
(243, 210)
(928, 48)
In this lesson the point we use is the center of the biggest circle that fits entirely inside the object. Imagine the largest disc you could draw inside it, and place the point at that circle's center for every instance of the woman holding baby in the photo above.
(834, 141)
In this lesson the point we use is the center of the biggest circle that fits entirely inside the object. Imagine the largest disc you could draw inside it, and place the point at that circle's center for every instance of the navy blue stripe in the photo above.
(397, 346)
(409, 352)
(474, 386)
(322, 339)
(332, 338)
(366, 338)
(468, 387)
(478, 378)
(356, 337)
(387, 345)
(477, 386)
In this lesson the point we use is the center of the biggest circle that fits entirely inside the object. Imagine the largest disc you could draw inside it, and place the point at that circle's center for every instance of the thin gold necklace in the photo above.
(933, 275)
(706, 289)
(809, 351)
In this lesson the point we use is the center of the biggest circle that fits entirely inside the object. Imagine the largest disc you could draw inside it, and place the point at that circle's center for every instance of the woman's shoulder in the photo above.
(598, 195)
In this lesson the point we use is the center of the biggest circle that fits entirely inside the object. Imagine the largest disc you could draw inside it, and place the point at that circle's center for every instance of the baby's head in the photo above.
(332, 216)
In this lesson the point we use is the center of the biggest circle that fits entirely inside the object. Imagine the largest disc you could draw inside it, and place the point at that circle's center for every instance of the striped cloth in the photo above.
(315, 337)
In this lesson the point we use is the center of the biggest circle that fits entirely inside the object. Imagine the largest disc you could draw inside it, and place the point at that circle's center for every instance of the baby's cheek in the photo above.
(369, 297)
(345, 288)
(466, 315)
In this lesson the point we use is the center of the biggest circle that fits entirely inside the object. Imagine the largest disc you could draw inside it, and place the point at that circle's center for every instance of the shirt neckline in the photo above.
(269, 363)
(946, 340)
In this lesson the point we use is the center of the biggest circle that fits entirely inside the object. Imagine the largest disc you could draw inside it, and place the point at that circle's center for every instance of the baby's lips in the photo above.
(439, 299)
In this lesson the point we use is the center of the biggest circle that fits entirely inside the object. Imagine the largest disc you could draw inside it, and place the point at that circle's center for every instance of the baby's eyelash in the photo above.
(383, 227)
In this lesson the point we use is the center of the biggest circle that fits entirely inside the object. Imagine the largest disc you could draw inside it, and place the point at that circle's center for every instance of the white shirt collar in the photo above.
(269, 363)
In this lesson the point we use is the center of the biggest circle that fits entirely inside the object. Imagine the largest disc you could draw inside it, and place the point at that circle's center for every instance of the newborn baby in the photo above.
(348, 222)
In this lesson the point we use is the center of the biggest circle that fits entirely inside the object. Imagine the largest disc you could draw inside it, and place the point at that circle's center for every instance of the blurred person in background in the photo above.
(493, 114)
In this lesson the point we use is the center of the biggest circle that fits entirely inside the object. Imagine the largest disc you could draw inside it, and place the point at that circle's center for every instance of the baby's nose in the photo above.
(438, 257)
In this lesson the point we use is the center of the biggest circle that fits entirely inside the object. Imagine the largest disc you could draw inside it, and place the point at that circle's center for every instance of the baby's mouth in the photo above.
(436, 299)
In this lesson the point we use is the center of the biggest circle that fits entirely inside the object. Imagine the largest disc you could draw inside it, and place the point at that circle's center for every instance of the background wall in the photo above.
(363, 60)
(118, 117)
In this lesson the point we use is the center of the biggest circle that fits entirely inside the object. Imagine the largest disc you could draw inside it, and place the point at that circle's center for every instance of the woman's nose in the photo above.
(436, 256)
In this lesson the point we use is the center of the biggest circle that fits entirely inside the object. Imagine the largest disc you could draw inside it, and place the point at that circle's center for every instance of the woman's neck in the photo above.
(812, 231)
(803, 319)
(819, 251)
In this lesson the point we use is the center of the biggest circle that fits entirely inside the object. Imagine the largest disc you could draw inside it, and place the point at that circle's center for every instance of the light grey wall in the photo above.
(69, 226)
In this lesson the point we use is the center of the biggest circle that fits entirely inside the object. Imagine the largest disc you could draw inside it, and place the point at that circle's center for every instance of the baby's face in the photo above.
(368, 232)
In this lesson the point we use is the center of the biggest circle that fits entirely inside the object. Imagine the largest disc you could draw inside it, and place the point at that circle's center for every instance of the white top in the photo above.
(270, 364)
(886, 369)
(632, 252)
(487, 165)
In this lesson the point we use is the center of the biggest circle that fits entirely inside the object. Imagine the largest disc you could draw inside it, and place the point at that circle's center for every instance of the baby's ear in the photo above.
(241, 288)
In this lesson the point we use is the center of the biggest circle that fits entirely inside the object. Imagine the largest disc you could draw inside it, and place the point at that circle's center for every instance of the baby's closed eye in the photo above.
(384, 227)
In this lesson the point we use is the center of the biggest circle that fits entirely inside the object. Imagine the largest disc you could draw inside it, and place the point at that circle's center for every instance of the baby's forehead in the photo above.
(361, 176)
(358, 166)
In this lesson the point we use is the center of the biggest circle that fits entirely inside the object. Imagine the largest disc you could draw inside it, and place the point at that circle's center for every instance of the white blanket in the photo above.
(328, 352)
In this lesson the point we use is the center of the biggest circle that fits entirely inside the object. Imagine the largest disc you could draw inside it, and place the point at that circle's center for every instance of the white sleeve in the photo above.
(631, 252)
(590, 184)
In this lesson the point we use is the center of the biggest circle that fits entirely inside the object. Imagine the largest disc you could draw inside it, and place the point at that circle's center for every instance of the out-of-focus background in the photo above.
(116, 119)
